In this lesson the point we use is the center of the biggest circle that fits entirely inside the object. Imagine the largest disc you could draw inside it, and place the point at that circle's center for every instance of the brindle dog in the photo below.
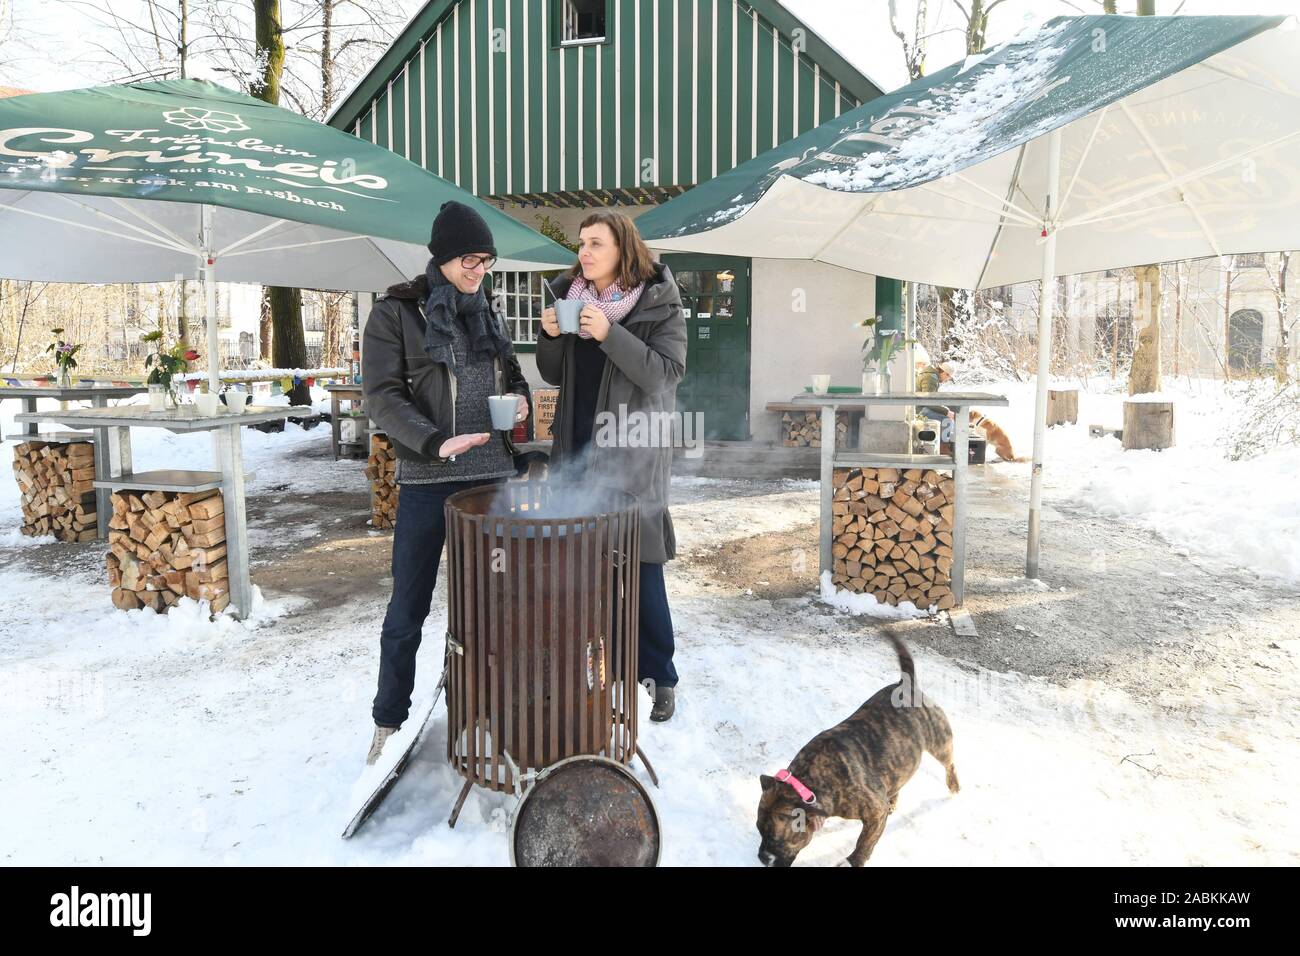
(855, 769)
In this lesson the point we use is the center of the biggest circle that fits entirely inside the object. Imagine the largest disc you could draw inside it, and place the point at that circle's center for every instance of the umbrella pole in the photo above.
(1046, 303)
(207, 267)
(909, 363)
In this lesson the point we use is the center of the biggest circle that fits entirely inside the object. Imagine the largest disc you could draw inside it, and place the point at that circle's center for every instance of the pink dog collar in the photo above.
(806, 795)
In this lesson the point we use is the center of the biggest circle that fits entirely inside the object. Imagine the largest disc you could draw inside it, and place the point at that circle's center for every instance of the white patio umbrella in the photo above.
(149, 182)
(1090, 143)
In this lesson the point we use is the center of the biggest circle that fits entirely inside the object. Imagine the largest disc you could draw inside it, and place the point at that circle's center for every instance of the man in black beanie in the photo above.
(433, 351)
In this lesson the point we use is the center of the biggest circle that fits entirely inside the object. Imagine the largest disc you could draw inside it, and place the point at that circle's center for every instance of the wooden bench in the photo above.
(166, 479)
(52, 438)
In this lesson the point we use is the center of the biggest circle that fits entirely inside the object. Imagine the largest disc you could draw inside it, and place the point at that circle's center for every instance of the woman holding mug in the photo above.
(623, 364)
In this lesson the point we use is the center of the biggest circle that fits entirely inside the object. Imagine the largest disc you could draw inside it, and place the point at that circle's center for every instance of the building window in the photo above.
(521, 295)
(581, 21)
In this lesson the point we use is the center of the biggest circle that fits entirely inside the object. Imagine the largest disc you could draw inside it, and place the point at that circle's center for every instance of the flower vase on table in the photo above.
(884, 383)
(65, 354)
(163, 365)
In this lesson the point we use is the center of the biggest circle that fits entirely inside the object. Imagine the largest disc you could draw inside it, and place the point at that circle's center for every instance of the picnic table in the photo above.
(98, 396)
(115, 424)
(957, 463)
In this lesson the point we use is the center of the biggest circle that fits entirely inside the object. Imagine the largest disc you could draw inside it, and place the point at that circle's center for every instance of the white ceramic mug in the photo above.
(568, 313)
(504, 408)
(207, 403)
(235, 401)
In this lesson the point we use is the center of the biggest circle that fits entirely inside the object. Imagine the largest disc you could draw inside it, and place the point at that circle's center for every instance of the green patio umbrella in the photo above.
(184, 178)
(1088, 143)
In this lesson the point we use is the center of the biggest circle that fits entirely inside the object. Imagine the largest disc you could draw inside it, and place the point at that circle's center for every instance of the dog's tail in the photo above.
(904, 656)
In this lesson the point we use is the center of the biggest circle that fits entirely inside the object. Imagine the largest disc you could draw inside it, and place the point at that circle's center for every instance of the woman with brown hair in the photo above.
(619, 370)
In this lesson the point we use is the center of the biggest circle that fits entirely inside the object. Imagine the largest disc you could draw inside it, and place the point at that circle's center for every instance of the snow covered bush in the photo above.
(1270, 418)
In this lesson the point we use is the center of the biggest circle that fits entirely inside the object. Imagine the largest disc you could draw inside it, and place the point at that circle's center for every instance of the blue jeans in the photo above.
(655, 643)
(417, 550)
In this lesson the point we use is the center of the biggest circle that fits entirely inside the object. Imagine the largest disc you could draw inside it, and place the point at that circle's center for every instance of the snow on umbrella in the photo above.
(1090, 143)
(146, 182)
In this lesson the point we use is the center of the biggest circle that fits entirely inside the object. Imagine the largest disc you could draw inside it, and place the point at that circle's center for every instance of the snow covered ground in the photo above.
(132, 738)
(1191, 495)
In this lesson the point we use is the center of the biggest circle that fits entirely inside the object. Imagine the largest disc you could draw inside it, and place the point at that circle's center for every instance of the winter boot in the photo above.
(377, 745)
(665, 704)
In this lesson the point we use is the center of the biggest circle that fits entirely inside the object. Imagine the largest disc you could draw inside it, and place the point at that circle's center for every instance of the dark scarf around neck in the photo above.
(487, 338)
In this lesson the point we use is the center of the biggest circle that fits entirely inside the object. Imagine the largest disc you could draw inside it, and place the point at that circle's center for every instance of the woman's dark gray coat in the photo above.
(645, 359)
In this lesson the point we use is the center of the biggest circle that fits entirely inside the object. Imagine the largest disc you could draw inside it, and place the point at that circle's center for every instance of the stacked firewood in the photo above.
(804, 429)
(56, 480)
(166, 545)
(892, 535)
(381, 469)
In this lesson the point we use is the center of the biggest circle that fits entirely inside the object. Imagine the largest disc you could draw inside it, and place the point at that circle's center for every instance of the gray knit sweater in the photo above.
(474, 383)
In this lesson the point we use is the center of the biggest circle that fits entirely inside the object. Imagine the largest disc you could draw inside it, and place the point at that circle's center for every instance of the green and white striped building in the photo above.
(553, 107)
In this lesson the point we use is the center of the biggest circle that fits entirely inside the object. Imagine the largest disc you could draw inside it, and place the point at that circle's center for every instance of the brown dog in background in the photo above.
(997, 438)
(854, 770)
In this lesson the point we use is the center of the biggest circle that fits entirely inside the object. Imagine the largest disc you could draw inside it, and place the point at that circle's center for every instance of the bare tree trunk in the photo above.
(947, 322)
(184, 44)
(1114, 336)
(290, 346)
(1227, 323)
(28, 301)
(977, 25)
(913, 49)
(1178, 314)
(1282, 353)
(265, 332)
(327, 57)
(290, 349)
(1144, 373)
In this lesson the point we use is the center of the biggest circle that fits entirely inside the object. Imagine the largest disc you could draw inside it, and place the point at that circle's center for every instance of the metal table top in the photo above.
(74, 394)
(902, 398)
(186, 418)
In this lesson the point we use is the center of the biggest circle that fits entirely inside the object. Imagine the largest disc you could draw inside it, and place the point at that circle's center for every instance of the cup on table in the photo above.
(235, 401)
(821, 384)
(503, 409)
(207, 403)
(567, 313)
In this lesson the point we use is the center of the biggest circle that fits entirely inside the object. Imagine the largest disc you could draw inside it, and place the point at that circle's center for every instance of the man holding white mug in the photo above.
(434, 353)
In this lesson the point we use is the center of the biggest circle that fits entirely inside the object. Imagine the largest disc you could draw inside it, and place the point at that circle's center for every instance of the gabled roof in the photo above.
(852, 79)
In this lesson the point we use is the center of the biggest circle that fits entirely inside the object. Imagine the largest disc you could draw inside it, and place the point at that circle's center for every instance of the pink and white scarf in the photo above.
(615, 301)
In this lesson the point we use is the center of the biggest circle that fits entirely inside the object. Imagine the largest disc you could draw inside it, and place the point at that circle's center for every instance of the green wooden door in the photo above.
(715, 294)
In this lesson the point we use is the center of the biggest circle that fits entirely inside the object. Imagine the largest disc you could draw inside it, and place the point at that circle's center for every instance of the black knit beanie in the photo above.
(459, 230)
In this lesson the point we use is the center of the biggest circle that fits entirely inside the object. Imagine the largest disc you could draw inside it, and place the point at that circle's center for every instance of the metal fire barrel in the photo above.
(542, 585)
